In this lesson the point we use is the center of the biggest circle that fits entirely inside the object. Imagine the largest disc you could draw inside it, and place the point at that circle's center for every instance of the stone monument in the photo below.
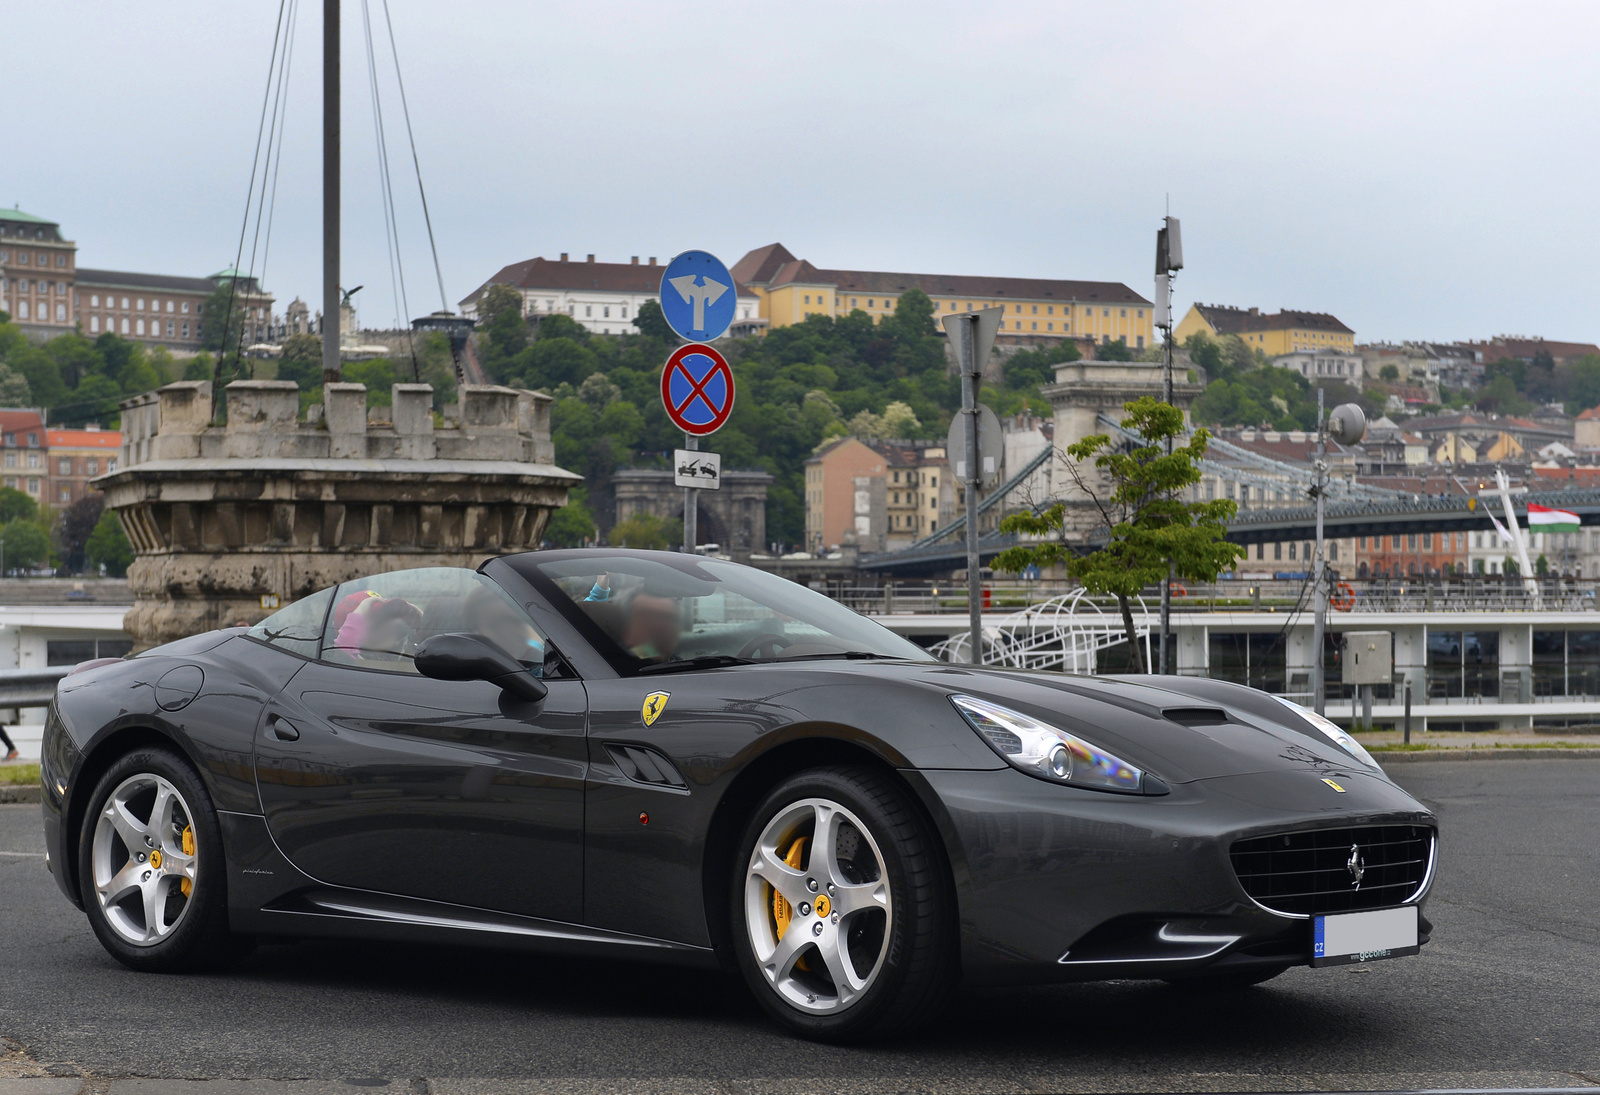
(227, 522)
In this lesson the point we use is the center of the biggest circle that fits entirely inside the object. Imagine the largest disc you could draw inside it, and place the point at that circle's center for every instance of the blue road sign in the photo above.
(698, 296)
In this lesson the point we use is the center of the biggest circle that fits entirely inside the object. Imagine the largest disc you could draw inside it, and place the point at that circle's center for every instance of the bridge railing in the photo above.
(1278, 594)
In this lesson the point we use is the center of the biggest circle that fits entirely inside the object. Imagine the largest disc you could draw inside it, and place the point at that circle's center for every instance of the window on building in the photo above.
(185, 307)
(186, 330)
(1277, 551)
(139, 327)
(22, 257)
(64, 466)
(1256, 659)
(94, 324)
(139, 304)
(22, 309)
(169, 328)
(61, 313)
(588, 310)
(1411, 541)
(1291, 552)
(33, 486)
(1362, 544)
(1463, 664)
(1035, 309)
(64, 494)
(169, 307)
(33, 441)
(91, 466)
(1333, 550)
(124, 302)
(1394, 543)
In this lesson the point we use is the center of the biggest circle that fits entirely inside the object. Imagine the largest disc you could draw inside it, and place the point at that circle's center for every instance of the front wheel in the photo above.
(151, 867)
(844, 921)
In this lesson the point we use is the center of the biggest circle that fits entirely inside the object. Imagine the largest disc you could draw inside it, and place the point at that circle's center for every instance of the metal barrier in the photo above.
(1232, 595)
(30, 687)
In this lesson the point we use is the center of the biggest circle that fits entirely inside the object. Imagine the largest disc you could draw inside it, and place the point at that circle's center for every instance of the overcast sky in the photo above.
(1420, 170)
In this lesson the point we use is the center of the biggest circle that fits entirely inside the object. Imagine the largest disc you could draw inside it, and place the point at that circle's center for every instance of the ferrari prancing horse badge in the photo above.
(654, 704)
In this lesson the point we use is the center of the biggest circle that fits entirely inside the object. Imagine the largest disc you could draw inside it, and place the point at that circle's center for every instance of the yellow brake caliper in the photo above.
(184, 885)
(782, 912)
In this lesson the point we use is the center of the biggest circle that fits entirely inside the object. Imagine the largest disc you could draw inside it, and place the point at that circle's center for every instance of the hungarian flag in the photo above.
(1543, 519)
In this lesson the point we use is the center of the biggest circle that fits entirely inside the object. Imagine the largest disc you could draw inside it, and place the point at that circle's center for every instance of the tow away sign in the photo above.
(696, 469)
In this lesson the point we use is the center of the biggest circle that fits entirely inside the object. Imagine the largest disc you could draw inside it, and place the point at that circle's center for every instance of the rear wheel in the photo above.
(150, 866)
(844, 925)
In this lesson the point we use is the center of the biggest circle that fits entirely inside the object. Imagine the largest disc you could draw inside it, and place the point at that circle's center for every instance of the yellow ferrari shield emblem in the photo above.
(1329, 782)
(654, 704)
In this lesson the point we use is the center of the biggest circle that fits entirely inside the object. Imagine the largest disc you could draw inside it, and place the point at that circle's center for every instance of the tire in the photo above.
(150, 828)
(1233, 981)
(877, 953)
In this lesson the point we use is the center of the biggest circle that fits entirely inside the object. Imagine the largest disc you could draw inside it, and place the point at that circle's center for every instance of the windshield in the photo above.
(649, 612)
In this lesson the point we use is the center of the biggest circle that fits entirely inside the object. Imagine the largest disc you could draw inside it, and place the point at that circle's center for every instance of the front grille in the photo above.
(1310, 872)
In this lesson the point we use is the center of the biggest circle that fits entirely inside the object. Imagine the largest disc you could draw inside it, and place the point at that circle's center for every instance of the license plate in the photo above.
(1342, 938)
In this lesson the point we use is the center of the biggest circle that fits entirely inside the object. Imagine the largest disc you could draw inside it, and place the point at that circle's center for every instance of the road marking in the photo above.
(28, 855)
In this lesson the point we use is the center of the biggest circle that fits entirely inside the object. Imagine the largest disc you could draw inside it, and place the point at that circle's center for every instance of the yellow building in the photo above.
(1284, 332)
(791, 289)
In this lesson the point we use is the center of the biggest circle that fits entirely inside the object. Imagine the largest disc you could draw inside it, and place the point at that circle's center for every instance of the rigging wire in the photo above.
(272, 202)
(386, 189)
(444, 301)
(274, 138)
(255, 160)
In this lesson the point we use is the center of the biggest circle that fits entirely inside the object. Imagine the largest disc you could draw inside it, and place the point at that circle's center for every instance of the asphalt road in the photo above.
(1507, 994)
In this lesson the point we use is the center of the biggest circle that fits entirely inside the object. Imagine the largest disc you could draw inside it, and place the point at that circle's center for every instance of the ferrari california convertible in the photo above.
(630, 753)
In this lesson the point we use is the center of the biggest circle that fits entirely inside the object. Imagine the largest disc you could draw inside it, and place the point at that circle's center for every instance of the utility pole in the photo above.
(1169, 260)
(1319, 588)
(330, 191)
(970, 371)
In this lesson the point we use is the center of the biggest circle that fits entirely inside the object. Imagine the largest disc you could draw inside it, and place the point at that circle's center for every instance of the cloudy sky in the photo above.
(1421, 170)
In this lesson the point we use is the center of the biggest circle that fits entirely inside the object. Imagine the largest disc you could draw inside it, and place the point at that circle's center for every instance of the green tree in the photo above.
(222, 318)
(502, 332)
(77, 524)
(27, 545)
(647, 532)
(108, 546)
(1389, 372)
(15, 505)
(572, 525)
(651, 323)
(1113, 351)
(302, 361)
(1138, 496)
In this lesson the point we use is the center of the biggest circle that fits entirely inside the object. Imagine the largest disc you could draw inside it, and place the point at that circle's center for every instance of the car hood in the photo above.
(1180, 729)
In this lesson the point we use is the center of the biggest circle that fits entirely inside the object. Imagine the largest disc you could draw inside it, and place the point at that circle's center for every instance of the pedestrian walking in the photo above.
(10, 746)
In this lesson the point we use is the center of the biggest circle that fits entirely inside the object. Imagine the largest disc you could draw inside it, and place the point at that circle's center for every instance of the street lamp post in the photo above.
(1169, 260)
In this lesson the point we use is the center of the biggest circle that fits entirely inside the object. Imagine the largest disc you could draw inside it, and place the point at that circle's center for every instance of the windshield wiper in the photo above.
(851, 654)
(705, 661)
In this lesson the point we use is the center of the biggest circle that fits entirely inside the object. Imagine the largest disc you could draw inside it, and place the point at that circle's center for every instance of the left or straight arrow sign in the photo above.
(698, 296)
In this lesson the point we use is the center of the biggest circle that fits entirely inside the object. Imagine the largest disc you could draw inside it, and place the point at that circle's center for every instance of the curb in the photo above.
(27, 792)
(1387, 758)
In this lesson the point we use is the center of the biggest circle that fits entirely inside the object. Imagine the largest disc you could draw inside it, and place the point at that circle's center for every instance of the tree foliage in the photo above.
(15, 505)
(27, 544)
(108, 546)
(1138, 497)
(646, 531)
(76, 379)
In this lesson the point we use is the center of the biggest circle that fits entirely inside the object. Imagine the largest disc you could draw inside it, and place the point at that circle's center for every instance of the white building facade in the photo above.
(604, 297)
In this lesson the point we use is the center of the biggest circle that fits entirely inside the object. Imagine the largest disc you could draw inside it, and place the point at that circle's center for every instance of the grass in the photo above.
(19, 775)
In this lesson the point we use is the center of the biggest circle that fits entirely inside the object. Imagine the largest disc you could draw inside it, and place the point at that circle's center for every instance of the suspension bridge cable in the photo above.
(392, 226)
(272, 202)
(444, 301)
(274, 147)
(255, 159)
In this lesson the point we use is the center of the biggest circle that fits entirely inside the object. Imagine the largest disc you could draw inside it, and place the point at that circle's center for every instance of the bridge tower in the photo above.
(1085, 390)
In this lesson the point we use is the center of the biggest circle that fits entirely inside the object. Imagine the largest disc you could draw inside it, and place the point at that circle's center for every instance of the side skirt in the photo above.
(268, 895)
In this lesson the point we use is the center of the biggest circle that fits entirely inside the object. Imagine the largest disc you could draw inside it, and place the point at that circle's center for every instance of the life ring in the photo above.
(1178, 590)
(1344, 597)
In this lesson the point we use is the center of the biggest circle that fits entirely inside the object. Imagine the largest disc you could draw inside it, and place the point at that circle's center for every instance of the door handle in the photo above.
(283, 731)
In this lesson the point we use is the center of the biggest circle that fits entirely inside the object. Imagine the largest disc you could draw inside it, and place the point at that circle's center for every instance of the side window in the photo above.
(378, 622)
(296, 628)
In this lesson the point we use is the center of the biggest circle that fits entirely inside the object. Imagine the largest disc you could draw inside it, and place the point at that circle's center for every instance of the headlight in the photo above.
(1042, 750)
(1332, 732)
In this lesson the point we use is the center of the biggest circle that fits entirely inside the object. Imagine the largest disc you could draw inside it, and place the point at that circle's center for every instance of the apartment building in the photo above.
(881, 494)
(790, 290)
(74, 457)
(604, 297)
(1286, 332)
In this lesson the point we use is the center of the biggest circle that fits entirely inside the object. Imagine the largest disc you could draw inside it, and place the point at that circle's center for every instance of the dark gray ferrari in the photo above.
(631, 753)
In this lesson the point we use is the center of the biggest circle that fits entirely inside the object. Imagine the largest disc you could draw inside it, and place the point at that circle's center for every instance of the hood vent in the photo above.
(1197, 716)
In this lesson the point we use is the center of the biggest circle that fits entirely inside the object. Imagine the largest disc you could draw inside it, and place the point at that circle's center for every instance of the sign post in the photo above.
(697, 391)
(972, 335)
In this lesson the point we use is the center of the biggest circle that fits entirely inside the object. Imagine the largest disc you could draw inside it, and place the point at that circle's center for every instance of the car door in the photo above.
(376, 778)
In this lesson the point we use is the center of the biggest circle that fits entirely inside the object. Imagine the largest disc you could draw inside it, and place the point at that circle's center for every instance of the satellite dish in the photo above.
(1347, 424)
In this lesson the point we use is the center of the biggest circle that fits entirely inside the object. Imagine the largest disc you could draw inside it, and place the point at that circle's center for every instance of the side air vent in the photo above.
(646, 766)
(1197, 716)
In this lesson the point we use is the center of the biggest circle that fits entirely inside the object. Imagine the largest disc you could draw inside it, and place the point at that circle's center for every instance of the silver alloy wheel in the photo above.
(820, 963)
(139, 863)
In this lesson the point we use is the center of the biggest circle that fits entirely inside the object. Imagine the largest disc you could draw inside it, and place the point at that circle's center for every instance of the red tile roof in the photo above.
(83, 439)
(20, 420)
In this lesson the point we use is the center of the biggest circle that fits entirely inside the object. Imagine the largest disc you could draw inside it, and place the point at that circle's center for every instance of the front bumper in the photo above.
(1062, 884)
(59, 762)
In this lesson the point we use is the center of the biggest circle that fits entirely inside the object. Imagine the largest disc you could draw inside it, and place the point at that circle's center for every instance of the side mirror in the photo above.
(473, 658)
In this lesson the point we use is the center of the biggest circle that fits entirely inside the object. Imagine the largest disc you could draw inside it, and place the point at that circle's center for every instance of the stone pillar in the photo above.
(413, 420)
(185, 414)
(261, 417)
(346, 417)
